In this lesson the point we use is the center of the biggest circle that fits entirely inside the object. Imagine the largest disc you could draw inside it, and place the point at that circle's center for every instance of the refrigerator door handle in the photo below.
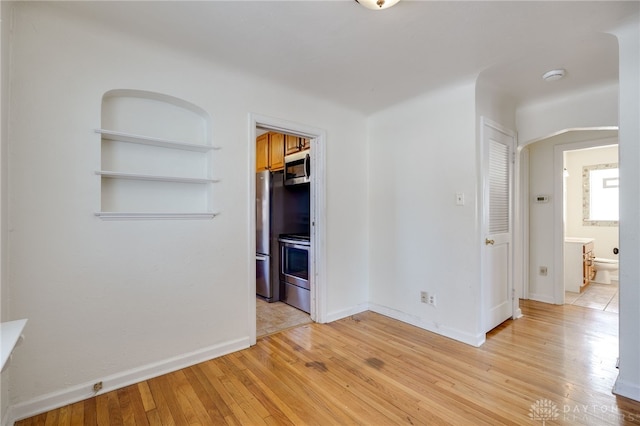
(261, 257)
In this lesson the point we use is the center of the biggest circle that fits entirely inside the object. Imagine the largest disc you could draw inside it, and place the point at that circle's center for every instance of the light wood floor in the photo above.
(555, 365)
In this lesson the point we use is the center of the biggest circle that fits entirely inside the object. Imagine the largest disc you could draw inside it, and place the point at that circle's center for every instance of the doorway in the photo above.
(541, 187)
(590, 217)
(316, 271)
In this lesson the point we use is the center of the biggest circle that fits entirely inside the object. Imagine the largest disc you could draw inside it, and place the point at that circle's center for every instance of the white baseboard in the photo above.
(335, 316)
(628, 390)
(461, 336)
(542, 298)
(83, 391)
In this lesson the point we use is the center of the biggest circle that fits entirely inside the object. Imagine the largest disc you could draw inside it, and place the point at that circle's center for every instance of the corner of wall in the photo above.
(5, 14)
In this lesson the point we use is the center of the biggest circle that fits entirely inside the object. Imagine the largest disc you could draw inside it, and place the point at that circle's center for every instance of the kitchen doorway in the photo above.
(279, 314)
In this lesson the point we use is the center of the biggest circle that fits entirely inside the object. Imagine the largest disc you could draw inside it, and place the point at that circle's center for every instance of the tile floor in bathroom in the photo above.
(603, 297)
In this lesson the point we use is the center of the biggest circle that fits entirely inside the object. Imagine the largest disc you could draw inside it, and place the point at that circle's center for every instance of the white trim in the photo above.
(470, 339)
(318, 213)
(344, 313)
(154, 216)
(628, 390)
(569, 130)
(83, 391)
(545, 298)
(522, 235)
(558, 222)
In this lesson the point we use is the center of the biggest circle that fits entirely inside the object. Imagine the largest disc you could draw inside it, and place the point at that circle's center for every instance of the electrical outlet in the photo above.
(431, 300)
(543, 271)
(97, 387)
(424, 297)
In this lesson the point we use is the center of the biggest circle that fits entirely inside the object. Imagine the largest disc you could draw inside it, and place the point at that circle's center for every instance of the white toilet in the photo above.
(605, 268)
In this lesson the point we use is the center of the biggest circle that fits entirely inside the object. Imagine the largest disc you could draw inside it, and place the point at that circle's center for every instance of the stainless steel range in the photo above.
(295, 288)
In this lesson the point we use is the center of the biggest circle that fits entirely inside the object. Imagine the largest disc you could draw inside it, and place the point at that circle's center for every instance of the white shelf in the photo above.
(154, 215)
(10, 332)
(147, 140)
(160, 178)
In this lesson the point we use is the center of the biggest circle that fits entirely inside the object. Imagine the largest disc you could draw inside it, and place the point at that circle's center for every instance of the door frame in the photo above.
(558, 190)
(558, 224)
(317, 217)
(484, 124)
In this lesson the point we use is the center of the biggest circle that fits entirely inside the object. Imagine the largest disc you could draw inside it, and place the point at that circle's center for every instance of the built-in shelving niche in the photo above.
(156, 158)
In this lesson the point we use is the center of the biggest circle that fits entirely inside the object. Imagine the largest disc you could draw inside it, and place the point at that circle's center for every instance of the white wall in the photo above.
(538, 121)
(628, 382)
(545, 244)
(108, 298)
(606, 237)
(588, 108)
(421, 153)
(5, 12)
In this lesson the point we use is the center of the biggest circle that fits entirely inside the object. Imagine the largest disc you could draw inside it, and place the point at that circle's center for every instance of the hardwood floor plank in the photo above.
(369, 369)
(147, 398)
(163, 412)
(76, 416)
(90, 416)
(191, 405)
(138, 414)
(216, 408)
(102, 410)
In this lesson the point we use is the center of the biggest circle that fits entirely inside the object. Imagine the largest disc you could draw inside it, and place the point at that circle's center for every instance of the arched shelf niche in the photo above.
(155, 158)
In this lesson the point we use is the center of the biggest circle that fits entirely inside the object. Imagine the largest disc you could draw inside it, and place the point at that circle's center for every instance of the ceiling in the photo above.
(367, 60)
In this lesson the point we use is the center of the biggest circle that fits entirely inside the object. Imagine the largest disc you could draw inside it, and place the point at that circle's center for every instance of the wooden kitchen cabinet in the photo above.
(270, 151)
(295, 144)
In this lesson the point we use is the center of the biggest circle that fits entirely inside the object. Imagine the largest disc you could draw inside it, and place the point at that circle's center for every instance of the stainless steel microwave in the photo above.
(297, 168)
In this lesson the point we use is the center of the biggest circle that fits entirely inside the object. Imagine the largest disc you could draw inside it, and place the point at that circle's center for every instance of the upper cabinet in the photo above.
(295, 144)
(270, 151)
(155, 157)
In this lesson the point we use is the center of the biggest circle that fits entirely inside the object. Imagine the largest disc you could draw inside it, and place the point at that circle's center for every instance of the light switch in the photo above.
(459, 198)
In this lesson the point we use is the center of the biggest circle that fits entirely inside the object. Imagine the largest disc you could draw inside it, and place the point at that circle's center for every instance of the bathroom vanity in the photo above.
(578, 264)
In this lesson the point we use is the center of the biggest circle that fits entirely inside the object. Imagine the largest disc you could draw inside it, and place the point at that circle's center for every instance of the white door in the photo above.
(497, 260)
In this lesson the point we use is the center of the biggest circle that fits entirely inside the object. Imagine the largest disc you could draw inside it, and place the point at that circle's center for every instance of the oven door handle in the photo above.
(297, 246)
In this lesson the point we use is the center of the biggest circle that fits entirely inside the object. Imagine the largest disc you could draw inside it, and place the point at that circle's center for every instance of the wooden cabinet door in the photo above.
(262, 152)
(305, 143)
(292, 144)
(276, 151)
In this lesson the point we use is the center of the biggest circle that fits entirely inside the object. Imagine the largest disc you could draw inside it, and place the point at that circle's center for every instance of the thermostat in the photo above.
(542, 198)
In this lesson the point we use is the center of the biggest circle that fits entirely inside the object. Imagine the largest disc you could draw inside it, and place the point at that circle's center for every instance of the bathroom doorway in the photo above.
(541, 190)
(590, 217)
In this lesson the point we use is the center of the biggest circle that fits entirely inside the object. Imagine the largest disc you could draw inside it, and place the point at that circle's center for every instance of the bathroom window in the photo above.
(600, 194)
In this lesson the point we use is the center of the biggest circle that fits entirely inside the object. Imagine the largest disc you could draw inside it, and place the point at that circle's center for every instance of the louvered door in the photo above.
(497, 260)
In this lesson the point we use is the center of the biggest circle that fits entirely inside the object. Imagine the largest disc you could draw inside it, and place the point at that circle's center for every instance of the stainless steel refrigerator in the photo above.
(279, 210)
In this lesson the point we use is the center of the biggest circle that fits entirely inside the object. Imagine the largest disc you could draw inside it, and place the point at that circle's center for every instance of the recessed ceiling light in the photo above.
(554, 75)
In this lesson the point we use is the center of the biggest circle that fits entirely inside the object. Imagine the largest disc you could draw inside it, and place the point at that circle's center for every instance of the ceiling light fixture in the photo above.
(377, 4)
(554, 75)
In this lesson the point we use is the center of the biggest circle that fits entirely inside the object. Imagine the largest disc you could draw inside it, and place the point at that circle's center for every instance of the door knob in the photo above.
(488, 241)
